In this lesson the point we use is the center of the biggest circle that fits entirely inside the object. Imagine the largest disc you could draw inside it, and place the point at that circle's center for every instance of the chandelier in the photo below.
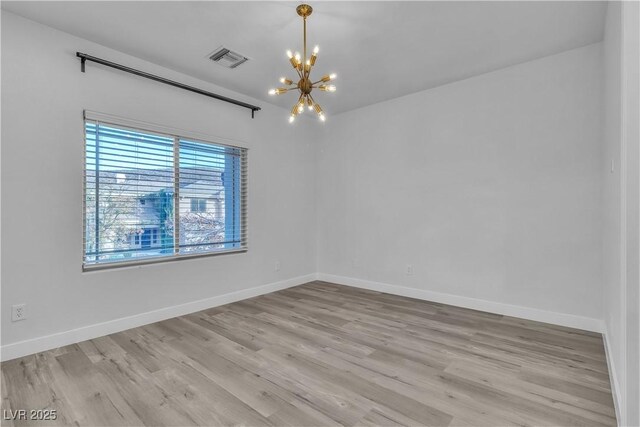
(303, 67)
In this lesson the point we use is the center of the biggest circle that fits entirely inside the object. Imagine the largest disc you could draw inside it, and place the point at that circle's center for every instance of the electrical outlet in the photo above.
(409, 270)
(18, 312)
(277, 266)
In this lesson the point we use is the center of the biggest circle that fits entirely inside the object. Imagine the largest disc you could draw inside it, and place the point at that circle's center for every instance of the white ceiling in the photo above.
(380, 50)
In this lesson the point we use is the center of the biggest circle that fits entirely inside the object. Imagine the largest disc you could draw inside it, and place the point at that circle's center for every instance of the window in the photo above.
(198, 205)
(146, 196)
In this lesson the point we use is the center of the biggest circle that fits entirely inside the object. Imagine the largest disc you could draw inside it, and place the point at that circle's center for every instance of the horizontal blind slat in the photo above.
(130, 178)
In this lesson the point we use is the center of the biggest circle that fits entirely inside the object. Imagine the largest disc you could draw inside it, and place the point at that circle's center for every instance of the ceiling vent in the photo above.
(227, 58)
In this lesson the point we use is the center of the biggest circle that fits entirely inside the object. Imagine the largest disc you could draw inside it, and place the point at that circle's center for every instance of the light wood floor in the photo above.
(322, 354)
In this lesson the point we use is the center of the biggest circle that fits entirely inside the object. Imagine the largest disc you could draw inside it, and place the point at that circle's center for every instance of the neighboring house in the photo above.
(201, 213)
(136, 209)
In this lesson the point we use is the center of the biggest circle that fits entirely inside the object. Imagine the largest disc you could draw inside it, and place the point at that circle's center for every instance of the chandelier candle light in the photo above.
(303, 67)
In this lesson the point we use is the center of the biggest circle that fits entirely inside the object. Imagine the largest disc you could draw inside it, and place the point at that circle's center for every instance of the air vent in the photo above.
(227, 58)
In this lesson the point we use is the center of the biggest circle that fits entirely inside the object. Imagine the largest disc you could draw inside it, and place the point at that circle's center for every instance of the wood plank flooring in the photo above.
(321, 355)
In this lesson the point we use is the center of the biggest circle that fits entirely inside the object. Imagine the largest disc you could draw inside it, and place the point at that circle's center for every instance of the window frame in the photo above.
(177, 135)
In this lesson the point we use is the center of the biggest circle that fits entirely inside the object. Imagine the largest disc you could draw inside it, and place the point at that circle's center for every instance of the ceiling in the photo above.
(380, 50)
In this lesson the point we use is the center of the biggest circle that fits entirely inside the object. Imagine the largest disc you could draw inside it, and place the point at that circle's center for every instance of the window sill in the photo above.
(142, 262)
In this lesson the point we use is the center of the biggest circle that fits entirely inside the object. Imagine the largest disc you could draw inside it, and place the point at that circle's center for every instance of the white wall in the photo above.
(43, 96)
(620, 291)
(631, 134)
(613, 312)
(489, 187)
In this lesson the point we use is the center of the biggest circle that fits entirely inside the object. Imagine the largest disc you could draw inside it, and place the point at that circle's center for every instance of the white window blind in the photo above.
(141, 188)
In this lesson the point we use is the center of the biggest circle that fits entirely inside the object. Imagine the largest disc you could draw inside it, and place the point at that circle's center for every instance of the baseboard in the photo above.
(48, 342)
(613, 378)
(562, 319)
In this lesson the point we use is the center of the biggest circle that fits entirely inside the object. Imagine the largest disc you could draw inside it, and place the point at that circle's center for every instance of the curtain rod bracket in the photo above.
(84, 58)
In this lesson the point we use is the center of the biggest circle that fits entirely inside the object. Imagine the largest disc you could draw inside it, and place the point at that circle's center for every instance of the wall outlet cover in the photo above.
(18, 312)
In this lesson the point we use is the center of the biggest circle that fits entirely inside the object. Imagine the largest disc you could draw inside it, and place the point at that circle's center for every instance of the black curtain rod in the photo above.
(84, 58)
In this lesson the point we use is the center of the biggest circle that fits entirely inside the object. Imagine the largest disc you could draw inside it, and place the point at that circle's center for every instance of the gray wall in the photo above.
(489, 187)
(620, 290)
(43, 96)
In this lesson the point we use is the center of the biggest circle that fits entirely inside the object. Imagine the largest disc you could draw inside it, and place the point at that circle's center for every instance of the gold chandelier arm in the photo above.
(308, 70)
(325, 79)
(297, 103)
(280, 90)
(298, 72)
(313, 101)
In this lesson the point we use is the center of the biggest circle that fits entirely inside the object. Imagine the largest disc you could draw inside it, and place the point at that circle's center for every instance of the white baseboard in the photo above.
(562, 319)
(34, 345)
(48, 342)
(615, 386)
